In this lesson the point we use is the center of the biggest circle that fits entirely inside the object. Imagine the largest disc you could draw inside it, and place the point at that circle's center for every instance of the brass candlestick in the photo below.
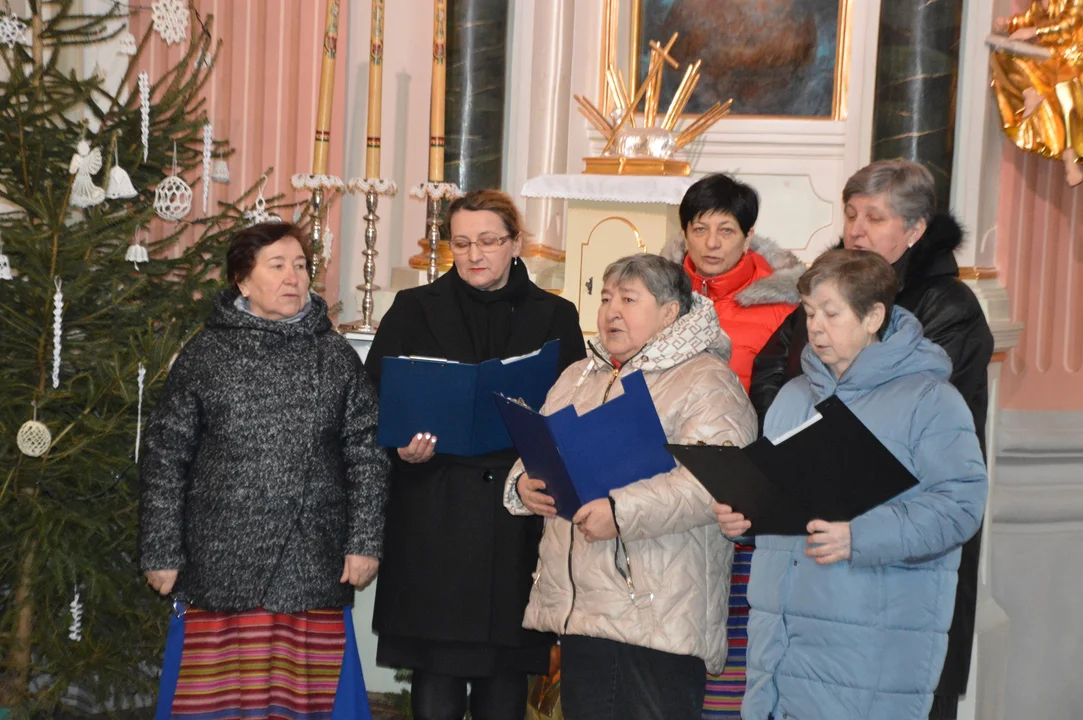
(436, 255)
(432, 220)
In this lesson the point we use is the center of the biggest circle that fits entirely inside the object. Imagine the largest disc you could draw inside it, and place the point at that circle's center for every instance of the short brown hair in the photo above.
(241, 256)
(494, 201)
(863, 277)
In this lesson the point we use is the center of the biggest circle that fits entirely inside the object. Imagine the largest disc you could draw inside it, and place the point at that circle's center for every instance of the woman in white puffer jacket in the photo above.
(637, 584)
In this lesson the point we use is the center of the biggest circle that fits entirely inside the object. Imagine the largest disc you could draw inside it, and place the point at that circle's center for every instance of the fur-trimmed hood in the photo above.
(778, 287)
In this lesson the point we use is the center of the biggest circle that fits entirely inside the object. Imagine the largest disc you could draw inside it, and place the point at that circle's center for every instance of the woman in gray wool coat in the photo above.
(262, 489)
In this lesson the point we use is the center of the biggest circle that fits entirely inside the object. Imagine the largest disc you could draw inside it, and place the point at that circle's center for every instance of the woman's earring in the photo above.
(515, 260)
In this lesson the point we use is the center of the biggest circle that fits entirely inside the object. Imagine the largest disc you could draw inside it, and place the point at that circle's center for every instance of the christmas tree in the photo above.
(86, 338)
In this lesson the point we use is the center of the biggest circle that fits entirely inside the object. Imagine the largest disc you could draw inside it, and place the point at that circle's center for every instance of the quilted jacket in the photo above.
(866, 639)
(679, 559)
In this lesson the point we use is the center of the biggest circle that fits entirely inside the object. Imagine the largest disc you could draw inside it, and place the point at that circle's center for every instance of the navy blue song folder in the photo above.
(454, 401)
(582, 457)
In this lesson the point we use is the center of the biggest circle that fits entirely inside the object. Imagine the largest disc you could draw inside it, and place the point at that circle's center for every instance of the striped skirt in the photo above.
(257, 664)
(726, 691)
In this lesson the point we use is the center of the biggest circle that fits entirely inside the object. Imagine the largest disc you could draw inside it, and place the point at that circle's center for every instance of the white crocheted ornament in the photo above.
(12, 29)
(137, 253)
(120, 184)
(127, 45)
(58, 323)
(5, 264)
(34, 438)
(85, 163)
(259, 214)
(173, 196)
(170, 19)
(144, 112)
(220, 172)
(208, 144)
(75, 630)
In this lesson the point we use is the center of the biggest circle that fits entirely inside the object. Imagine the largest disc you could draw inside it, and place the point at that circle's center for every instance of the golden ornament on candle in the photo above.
(647, 150)
(436, 103)
(376, 83)
(327, 87)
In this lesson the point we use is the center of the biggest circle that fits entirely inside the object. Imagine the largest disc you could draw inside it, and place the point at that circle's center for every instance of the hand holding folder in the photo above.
(454, 401)
(583, 457)
(831, 468)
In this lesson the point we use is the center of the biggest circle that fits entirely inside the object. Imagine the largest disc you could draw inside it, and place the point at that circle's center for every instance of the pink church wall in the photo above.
(262, 95)
(1040, 258)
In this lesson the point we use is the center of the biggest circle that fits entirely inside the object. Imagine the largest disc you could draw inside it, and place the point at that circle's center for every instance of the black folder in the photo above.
(833, 468)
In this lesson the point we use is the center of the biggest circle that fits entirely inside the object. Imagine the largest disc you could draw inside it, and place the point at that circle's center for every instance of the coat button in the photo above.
(488, 476)
(795, 563)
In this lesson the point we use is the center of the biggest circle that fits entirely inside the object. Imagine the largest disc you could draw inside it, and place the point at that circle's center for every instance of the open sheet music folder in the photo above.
(583, 457)
(830, 468)
(454, 401)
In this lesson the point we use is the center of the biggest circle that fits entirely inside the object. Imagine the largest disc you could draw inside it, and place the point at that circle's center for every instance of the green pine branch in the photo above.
(70, 518)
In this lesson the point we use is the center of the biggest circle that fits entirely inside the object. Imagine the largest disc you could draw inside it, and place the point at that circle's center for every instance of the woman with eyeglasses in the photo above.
(456, 572)
(636, 584)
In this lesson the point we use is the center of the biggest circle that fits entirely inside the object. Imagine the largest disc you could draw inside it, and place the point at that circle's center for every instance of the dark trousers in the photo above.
(608, 680)
(442, 697)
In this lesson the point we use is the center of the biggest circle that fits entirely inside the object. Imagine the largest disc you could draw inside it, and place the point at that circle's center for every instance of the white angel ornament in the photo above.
(85, 163)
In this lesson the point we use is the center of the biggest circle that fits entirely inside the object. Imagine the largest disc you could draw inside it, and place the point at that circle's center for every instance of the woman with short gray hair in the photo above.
(638, 635)
(890, 209)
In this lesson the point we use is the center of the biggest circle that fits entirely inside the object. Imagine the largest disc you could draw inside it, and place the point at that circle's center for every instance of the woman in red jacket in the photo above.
(752, 281)
(753, 284)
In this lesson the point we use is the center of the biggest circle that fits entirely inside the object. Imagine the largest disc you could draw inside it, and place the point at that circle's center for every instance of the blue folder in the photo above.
(454, 401)
(583, 457)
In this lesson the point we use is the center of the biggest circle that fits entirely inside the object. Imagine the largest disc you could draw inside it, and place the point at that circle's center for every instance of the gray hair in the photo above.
(910, 189)
(665, 280)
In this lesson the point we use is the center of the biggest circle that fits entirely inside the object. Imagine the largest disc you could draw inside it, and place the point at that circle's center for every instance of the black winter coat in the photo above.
(458, 565)
(260, 470)
(953, 319)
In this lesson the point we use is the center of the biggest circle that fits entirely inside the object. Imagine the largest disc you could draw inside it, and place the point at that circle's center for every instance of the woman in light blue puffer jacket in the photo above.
(851, 621)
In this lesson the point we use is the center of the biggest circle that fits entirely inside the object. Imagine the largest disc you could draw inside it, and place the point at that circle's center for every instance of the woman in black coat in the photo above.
(890, 210)
(456, 574)
(262, 488)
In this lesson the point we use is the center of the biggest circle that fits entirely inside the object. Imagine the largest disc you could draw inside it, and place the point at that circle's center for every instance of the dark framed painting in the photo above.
(782, 58)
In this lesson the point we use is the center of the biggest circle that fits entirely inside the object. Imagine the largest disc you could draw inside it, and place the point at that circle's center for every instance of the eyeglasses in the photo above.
(485, 243)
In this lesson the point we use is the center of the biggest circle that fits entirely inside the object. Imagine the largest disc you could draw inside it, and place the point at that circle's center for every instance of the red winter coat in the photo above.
(751, 300)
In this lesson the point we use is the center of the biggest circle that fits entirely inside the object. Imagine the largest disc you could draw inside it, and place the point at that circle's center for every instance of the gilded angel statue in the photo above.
(85, 163)
(1037, 63)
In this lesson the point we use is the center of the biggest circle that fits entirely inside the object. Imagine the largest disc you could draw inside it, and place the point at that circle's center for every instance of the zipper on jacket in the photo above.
(571, 579)
(612, 379)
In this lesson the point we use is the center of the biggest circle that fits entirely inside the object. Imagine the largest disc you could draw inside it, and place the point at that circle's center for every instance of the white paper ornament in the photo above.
(170, 18)
(34, 437)
(259, 214)
(58, 321)
(137, 252)
(139, 412)
(144, 111)
(5, 264)
(75, 630)
(12, 29)
(220, 173)
(127, 44)
(85, 163)
(173, 196)
(120, 185)
(208, 142)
